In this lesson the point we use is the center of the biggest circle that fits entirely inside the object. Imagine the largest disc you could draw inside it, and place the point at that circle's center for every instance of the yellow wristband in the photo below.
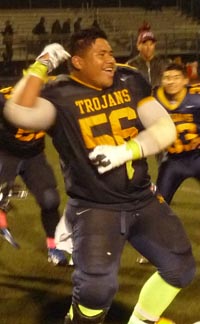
(37, 69)
(137, 154)
(135, 148)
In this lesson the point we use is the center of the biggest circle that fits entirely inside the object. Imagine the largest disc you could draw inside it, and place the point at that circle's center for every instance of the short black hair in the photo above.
(84, 38)
(176, 66)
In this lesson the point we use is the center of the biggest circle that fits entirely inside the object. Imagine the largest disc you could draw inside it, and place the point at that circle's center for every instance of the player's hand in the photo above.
(52, 56)
(107, 157)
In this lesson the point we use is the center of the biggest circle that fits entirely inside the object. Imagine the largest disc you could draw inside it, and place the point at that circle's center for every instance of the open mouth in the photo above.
(109, 71)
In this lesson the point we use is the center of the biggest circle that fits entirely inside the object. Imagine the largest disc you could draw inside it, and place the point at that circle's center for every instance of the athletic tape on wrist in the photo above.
(135, 148)
(136, 154)
(37, 69)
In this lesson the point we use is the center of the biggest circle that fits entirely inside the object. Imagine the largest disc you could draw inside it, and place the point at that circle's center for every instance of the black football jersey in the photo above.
(186, 116)
(17, 141)
(87, 117)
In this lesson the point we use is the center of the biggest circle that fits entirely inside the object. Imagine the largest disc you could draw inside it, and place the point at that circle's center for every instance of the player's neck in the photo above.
(176, 97)
(171, 97)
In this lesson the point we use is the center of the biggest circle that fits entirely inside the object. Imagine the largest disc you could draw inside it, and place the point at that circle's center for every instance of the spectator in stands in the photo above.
(66, 27)
(40, 31)
(77, 24)
(95, 24)
(8, 42)
(40, 28)
(56, 27)
(149, 64)
(56, 31)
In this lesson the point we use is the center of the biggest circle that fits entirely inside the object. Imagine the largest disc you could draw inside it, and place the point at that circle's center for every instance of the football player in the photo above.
(22, 153)
(104, 123)
(182, 159)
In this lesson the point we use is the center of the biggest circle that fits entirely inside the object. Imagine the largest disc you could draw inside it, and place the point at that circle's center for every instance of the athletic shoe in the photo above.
(141, 260)
(163, 320)
(57, 257)
(5, 233)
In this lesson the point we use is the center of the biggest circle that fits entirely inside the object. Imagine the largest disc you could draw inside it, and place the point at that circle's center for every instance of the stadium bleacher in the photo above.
(176, 33)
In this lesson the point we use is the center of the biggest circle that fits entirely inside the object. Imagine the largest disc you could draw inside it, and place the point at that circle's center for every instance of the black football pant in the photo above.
(175, 170)
(99, 237)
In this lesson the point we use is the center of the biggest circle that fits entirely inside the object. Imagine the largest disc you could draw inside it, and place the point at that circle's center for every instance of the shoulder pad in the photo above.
(58, 79)
(194, 88)
(6, 92)
(128, 71)
(126, 67)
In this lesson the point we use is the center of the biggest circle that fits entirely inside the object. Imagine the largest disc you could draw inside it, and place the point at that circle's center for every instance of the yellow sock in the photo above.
(155, 296)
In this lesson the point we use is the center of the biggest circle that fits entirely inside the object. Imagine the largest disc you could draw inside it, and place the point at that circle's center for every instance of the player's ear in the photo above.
(76, 61)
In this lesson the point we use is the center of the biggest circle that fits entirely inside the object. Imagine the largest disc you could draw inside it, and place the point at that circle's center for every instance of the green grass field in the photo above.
(32, 291)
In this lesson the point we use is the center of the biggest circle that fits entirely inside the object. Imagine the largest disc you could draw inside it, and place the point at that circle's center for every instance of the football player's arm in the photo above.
(158, 134)
(40, 114)
(25, 109)
(160, 130)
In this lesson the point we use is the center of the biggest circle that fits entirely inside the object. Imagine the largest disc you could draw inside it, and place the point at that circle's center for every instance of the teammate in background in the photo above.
(104, 123)
(22, 153)
(182, 159)
(147, 62)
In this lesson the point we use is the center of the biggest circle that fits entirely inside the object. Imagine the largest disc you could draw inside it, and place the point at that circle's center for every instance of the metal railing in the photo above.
(168, 44)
